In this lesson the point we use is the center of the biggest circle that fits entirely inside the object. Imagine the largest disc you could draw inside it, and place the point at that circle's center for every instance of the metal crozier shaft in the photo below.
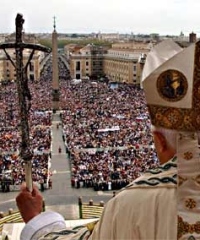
(26, 153)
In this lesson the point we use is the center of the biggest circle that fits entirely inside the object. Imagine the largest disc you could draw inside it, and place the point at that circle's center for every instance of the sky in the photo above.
(165, 17)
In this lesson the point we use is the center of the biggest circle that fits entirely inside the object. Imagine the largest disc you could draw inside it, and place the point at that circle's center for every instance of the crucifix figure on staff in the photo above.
(24, 95)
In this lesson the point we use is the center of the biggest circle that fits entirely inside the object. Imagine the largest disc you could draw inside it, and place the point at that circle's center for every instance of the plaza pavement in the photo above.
(60, 168)
(62, 197)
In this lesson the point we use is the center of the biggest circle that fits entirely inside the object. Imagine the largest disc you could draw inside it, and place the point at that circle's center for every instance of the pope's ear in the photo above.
(160, 141)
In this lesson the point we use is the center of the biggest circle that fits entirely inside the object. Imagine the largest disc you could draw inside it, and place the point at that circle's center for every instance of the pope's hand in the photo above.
(29, 203)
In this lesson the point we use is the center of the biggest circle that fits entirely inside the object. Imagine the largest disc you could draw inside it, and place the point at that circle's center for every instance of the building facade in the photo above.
(124, 62)
(87, 62)
(121, 63)
(7, 70)
(1, 65)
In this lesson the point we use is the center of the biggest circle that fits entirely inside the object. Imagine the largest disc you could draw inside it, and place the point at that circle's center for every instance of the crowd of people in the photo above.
(106, 131)
(11, 165)
(107, 134)
(12, 172)
(169, 193)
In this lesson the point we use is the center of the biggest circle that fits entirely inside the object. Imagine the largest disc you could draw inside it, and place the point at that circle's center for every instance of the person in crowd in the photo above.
(59, 149)
(50, 183)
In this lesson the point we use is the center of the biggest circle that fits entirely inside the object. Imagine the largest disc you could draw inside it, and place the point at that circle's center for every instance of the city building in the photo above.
(124, 61)
(28, 38)
(1, 66)
(2, 37)
(121, 63)
(71, 48)
(87, 62)
(108, 36)
(7, 70)
(192, 37)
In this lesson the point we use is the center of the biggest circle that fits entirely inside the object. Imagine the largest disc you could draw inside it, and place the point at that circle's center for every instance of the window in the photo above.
(31, 67)
(32, 77)
(87, 63)
(78, 66)
(78, 76)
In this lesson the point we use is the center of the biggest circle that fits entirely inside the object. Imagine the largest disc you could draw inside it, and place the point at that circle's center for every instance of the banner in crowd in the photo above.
(114, 128)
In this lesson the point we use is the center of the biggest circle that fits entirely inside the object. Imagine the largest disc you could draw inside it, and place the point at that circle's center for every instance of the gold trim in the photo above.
(174, 118)
(185, 228)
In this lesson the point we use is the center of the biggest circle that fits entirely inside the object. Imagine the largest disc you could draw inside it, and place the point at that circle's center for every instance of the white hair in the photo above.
(169, 134)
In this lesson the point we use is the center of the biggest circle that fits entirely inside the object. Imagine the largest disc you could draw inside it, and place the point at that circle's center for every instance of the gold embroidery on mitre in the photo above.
(197, 90)
(172, 118)
(172, 85)
(185, 228)
(190, 203)
(196, 120)
(192, 123)
(159, 116)
(188, 155)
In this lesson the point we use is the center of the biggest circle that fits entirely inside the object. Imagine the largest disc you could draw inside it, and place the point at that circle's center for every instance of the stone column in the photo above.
(55, 80)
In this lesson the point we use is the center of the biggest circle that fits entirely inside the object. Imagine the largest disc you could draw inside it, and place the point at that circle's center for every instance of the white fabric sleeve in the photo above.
(42, 224)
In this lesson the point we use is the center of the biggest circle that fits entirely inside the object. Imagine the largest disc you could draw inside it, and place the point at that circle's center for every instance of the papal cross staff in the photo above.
(24, 96)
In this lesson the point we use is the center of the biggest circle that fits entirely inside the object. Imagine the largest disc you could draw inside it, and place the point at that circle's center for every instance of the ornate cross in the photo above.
(24, 95)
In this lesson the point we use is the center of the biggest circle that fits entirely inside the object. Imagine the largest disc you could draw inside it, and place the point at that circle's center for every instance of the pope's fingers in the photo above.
(35, 191)
(24, 188)
(21, 199)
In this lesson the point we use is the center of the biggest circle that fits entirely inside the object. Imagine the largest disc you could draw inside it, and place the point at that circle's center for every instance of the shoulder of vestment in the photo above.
(162, 176)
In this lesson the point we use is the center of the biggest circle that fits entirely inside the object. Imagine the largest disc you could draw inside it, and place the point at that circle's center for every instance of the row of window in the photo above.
(31, 66)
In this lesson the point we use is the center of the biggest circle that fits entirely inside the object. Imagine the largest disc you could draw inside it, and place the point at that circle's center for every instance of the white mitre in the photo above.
(171, 82)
